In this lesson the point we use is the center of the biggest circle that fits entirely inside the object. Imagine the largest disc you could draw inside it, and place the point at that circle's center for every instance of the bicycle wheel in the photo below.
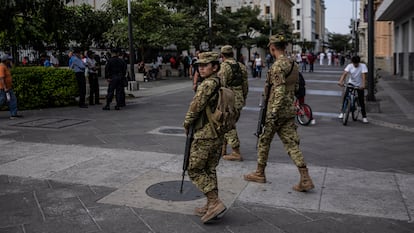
(346, 113)
(304, 114)
(355, 110)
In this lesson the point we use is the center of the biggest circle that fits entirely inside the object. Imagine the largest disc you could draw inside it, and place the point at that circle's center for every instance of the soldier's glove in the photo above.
(186, 126)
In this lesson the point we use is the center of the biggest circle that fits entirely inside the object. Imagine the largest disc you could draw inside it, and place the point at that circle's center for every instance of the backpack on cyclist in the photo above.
(224, 116)
(301, 90)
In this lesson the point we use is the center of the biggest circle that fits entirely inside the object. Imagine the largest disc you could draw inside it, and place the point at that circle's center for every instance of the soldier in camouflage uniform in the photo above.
(282, 77)
(205, 149)
(233, 75)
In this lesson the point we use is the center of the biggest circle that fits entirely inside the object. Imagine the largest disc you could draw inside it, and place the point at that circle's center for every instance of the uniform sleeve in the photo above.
(224, 73)
(278, 74)
(199, 102)
(245, 84)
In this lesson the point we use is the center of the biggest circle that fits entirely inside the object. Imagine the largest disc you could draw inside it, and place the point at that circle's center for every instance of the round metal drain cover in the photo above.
(170, 191)
(172, 131)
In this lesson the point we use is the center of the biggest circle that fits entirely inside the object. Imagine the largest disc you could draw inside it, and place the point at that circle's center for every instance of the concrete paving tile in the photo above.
(13, 184)
(18, 208)
(364, 201)
(166, 222)
(277, 192)
(326, 225)
(346, 179)
(240, 219)
(276, 216)
(89, 195)
(58, 207)
(406, 184)
(112, 168)
(117, 219)
(134, 194)
(11, 229)
(66, 224)
(48, 160)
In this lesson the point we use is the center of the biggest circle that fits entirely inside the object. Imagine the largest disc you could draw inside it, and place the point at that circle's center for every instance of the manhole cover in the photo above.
(172, 131)
(50, 123)
(170, 191)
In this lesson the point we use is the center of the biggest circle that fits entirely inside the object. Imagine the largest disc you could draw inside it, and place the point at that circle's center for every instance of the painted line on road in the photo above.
(308, 91)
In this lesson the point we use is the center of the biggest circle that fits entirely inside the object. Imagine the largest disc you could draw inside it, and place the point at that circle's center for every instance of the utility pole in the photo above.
(371, 66)
(210, 39)
(131, 45)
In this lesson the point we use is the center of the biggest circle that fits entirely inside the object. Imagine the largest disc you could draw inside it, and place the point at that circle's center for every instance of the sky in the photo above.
(338, 14)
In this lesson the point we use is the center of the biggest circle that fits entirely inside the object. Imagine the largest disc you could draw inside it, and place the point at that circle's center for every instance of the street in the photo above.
(87, 170)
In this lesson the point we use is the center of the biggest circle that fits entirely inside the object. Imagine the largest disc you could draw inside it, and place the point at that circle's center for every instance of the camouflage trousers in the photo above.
(286, 130)
(231, 137)
(204, 158)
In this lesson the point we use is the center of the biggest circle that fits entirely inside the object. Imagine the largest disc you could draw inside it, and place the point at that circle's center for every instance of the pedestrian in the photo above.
(115, 71)
(311, 60)
(233, 75)
(6, 87)
(280, 115)
(205, 149)
(321, 58)
(357, 72)
(92, 78)
(258, 65)
(78, 66)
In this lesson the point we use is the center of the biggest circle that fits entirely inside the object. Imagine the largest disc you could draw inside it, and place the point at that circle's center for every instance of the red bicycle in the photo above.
(303, 113)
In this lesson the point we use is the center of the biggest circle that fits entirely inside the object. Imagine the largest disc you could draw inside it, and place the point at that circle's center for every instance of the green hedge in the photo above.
(43, 87)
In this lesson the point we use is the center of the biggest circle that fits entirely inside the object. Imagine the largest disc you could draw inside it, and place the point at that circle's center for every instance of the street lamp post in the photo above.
(371, 67)
(209, 26)
(131, 45)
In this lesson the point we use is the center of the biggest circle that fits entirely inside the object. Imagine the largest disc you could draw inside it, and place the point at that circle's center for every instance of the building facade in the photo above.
(96, 4)
(401, 12)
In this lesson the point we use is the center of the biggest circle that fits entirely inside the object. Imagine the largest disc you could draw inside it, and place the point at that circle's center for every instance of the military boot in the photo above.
(257, 176)
(201, 211)
(215, 206)
(234, 156)
(305, 183)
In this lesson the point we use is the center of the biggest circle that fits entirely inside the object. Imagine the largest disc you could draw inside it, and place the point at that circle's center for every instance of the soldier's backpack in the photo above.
(224, 116)
(237, 74)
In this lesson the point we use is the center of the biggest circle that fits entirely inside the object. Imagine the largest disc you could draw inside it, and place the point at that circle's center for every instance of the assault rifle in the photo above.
(186, 161)
(263, 109)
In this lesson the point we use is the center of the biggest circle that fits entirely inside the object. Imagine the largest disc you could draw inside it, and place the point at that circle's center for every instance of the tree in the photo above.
(339, 42)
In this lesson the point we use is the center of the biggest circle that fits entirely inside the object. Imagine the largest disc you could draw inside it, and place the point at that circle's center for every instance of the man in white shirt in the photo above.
(321, 57)
(357, 72)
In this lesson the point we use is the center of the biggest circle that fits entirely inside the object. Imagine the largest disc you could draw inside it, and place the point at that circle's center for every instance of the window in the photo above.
(298, 25)
(267, 10)
(297, 1)
(297, 12)
(227, 8)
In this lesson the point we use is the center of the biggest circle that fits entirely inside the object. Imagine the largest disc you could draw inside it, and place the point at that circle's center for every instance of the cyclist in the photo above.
(357, 72)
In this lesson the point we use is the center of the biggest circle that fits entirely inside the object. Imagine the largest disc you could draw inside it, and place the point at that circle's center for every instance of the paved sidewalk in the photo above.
(95, 175)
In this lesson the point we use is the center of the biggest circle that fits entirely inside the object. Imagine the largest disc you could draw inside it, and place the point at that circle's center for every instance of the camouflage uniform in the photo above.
(240, 92)
(280, 114)
(205, 149)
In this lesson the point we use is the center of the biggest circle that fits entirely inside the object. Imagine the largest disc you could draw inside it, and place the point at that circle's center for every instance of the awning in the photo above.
(392, 10)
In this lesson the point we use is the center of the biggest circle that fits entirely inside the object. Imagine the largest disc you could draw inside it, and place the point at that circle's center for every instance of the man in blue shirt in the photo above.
(78, 67)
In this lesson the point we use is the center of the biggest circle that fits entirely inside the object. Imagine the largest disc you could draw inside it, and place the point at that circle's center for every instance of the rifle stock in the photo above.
(187, 151)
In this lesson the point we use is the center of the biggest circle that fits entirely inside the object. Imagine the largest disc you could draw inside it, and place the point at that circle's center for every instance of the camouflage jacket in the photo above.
(280, 104)
(226, 76)
(205, 97)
